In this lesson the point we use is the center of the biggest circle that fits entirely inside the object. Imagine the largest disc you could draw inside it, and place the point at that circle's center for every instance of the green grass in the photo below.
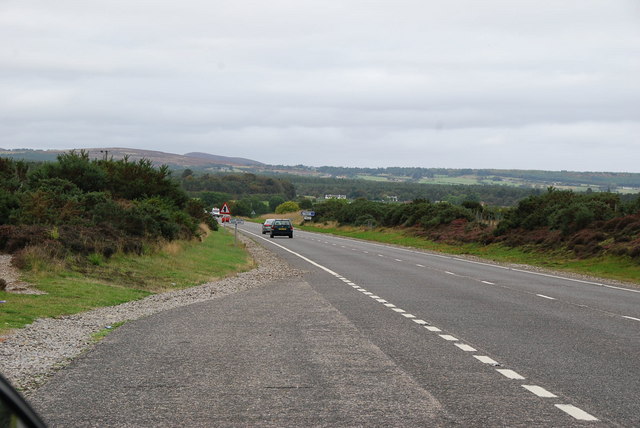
(122, 279)
(618, 268)
(97, 337)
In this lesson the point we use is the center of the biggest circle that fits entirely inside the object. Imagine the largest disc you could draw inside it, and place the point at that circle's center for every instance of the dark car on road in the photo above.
(282, 227)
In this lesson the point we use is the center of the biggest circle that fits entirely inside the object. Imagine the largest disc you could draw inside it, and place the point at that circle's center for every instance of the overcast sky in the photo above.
(453, 83)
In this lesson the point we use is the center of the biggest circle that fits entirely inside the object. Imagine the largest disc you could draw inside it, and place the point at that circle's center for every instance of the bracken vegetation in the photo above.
(586, 224)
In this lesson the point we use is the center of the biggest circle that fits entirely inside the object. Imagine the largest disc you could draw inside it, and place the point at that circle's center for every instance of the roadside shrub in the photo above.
(287, 207)
(95, 259)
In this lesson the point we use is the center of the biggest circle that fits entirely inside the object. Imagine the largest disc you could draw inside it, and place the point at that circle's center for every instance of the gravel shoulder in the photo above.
(31, 355)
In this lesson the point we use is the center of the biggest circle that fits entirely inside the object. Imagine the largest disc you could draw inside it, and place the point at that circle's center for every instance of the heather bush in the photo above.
(97, 207)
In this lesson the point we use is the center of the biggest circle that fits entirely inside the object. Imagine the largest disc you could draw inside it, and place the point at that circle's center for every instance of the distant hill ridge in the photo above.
(194, 159)
(223, 159)
(622, 182)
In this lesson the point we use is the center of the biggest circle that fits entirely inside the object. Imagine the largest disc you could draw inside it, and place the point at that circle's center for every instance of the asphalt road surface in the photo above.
(372, 335)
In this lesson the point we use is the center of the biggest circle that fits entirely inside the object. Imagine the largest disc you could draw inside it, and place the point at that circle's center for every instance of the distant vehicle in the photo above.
(266, 226)
(282, 227)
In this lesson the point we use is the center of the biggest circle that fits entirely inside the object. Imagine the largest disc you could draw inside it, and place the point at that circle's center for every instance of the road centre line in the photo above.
(573, 411)
(449, 337)
(510, 374)
(465, 347)
(576, 412)
(539, 391)
(486, 360)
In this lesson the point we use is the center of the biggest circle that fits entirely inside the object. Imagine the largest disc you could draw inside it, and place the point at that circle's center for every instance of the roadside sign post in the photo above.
(226, 213)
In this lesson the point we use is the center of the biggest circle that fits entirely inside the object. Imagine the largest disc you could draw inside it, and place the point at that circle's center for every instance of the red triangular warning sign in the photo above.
(225, 209)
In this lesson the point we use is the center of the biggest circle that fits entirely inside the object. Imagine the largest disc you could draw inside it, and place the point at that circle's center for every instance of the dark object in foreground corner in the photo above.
(14, 410)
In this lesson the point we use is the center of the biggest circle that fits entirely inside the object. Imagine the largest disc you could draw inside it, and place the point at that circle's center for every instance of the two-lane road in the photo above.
(493, 344)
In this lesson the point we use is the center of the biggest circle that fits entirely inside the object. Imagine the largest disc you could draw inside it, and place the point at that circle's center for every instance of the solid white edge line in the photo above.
(576, 412)
(539, 391)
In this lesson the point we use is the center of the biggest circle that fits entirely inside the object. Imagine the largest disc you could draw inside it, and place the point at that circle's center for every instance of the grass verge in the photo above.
(617, 268)
(122, 279)
(97, 337)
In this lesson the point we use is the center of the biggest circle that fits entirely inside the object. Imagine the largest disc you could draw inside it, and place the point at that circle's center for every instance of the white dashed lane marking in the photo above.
(577, 413)
(545, 297)
(510, 374)
(539, 391)
(449, 337)
(487, 360)
(631, 318)
(465, 347)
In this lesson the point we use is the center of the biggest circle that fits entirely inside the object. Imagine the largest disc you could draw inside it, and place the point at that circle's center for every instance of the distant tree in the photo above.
(274, 201)
(287, 207)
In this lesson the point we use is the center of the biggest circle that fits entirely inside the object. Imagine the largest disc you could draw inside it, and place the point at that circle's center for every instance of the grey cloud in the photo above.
(460, 84)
